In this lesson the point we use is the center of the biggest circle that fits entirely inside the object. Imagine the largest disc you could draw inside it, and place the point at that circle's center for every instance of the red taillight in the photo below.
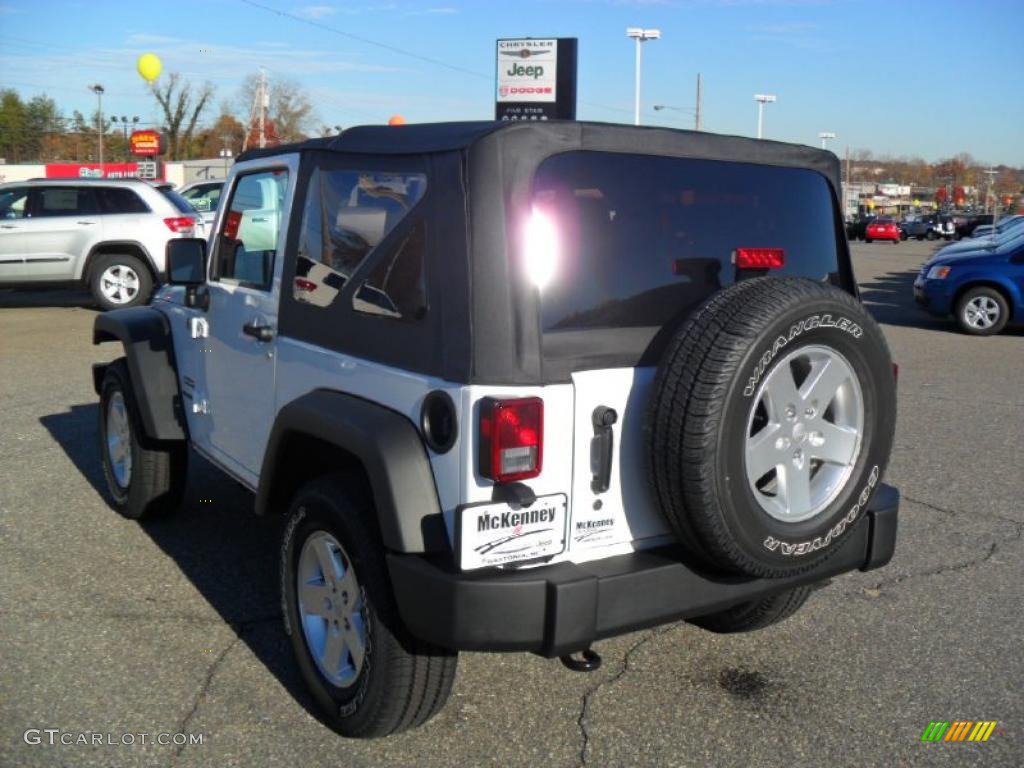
(896, 372)
(511, 438)
(183, 225)
(760, 258)
(303, 284)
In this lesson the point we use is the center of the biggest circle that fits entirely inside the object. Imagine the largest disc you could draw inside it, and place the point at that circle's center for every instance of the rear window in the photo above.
(120, 200)
(179, 202)
(644, 239)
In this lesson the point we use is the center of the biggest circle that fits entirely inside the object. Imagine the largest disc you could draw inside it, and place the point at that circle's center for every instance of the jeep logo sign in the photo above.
(536, 79)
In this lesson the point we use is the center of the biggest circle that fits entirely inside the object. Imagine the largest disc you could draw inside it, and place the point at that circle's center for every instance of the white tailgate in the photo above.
(625, 513)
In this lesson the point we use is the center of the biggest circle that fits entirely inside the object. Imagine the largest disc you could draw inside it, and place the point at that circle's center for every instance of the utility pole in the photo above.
(698, 121)
(991, 172)
(98, 90)
(762, 99)
(258, 114)
(641, 36)
(264, 103)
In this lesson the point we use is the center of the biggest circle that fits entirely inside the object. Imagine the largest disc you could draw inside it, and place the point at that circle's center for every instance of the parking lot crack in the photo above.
(592, 691)
(1018, 526)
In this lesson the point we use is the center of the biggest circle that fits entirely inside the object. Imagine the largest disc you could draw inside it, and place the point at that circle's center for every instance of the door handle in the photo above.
(7, 226)
(259, 332)
(602, 447)
(85, 222)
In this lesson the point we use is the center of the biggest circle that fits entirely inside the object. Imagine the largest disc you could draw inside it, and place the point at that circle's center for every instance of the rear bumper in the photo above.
(557, 609)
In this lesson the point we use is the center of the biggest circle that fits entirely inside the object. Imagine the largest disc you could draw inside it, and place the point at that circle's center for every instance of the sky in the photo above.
(902, 77)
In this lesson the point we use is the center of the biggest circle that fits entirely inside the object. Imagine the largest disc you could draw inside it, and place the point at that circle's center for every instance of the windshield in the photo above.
(1009, 223)
(204, 197)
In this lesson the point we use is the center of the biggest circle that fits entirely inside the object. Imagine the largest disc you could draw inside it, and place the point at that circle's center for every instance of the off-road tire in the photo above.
(158, 472)
(403, 681)
(756, 614)
(136, 265)
(698, 415)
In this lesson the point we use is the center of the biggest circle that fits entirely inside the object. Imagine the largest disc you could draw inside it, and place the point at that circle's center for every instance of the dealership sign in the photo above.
(146, 143)
(536, 79)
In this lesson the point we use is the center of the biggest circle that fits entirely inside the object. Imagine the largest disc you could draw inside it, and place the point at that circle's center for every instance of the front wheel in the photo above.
(368, 674)
(867, 239)
(982, 311)
(144, 479)
(931, 235)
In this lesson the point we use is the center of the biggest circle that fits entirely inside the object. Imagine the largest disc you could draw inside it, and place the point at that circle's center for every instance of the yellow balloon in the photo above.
(149, 66)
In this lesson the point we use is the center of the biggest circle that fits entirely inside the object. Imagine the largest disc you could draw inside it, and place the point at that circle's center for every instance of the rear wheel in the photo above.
(867, 239)
(368, 674)
(931, 234)
(145, 479)
(982, 311)
(120, 280)
(757, 614)
(770, 425)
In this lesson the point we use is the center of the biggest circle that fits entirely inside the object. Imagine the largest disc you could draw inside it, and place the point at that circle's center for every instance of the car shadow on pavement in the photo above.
(21, 299)
(890, 299)
(228, 553)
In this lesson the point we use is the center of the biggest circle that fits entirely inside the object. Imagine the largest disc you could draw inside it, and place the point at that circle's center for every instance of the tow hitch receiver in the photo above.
(589, 661)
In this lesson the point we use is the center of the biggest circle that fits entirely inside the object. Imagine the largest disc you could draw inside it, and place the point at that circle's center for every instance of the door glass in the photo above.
(66, 201)
(12, 203)
(247, 242)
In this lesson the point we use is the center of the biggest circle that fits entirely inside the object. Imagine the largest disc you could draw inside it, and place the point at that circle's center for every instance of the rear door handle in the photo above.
(7, 226)
(85, 222)
(602, 447)
(259, 332)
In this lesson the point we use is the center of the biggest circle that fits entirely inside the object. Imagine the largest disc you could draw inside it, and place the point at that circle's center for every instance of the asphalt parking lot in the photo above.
(113, 627)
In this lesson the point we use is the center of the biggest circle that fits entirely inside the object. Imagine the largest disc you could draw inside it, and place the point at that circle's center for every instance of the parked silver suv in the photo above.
(108, 235)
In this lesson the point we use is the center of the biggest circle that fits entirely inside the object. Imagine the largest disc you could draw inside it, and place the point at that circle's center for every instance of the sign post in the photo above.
(536, 79)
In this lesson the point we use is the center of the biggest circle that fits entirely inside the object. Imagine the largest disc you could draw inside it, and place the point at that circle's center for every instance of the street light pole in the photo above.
(640, 36)
(762, 99)
(98, 90)
(825, 136)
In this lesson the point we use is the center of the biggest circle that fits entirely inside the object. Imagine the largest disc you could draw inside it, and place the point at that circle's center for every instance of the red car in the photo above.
(882, 229)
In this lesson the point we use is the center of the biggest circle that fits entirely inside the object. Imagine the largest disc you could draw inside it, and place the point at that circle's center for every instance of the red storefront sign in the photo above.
(92, 170)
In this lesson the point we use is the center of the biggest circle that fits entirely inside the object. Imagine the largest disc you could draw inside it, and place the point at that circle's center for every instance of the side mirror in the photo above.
(186, 261)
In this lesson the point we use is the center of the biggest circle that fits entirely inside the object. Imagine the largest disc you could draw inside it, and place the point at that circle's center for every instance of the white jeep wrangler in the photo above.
(518, 387)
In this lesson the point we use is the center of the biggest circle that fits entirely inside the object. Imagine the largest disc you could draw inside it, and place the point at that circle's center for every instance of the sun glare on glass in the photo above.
(542, 248)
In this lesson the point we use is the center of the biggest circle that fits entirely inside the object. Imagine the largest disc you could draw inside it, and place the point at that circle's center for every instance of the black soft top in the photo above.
(429, 138)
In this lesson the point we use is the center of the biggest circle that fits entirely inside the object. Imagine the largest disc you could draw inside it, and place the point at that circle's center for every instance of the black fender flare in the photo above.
(145, 334)
(391, 452)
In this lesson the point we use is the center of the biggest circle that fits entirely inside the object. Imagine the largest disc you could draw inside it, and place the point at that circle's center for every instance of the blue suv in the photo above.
(981, 286)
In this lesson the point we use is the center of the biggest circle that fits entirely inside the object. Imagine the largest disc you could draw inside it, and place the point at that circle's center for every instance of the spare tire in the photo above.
(770, 425)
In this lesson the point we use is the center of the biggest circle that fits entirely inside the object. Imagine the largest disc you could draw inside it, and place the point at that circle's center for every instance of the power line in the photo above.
(400, 51)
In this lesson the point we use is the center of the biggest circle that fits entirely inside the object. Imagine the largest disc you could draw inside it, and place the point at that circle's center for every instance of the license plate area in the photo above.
(499, 533)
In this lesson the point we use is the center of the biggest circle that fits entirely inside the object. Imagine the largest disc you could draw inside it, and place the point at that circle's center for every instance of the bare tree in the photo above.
(291, 109)
(182, 107)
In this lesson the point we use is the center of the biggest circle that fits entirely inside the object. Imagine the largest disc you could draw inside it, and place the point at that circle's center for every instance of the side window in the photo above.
(12, 203)
(120, 200)
(396, 288)
(247, 242)
(346, 216)
(66, 201)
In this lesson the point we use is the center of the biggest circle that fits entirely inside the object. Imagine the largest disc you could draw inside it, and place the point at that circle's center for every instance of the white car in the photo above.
(108, 235)
(204, 197)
